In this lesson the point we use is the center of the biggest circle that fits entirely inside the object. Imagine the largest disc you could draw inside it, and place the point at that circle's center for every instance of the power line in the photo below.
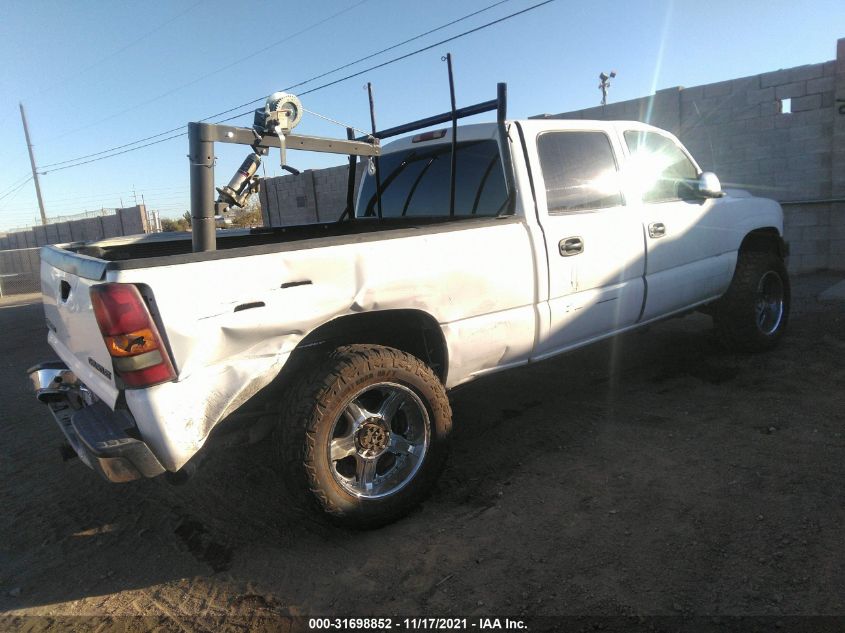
(64, 203)
(259, 99)
(119, 193)
(390, 48)
(361, 59)
(113, 54)
(214, 72)
(405, 56)
(18, 181)
(126, 151)
(321, 87)
(20, 186)
(92, 202)
(111, 149)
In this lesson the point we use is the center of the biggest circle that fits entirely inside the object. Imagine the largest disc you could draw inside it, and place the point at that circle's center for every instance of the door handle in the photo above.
(656, 229)
(571, 246)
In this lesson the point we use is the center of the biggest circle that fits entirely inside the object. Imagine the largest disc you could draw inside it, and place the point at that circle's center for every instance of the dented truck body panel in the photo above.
(224, 355)
(501, 290)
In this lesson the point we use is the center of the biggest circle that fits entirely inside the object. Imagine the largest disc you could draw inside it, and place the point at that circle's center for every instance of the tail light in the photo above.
(130, 335)
(429, 136)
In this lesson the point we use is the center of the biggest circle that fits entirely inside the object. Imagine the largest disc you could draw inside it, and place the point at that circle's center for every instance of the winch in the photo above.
(281, 113)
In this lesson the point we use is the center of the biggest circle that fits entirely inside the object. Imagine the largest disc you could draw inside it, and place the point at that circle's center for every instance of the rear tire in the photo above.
(365, 436)
(754, 312)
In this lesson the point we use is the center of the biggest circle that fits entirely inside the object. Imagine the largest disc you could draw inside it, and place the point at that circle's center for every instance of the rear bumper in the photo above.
(106, 441)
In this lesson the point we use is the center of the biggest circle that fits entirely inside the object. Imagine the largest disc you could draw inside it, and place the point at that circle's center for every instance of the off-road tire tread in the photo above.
(731, 312)
(306, 403)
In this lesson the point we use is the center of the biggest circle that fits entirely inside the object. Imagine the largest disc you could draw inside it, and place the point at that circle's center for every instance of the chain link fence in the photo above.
(19, 271)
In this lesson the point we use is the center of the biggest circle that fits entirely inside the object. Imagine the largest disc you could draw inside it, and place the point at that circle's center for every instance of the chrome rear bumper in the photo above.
(106, 441)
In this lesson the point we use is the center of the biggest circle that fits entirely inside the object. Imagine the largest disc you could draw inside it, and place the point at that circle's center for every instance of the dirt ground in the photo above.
(652, 474)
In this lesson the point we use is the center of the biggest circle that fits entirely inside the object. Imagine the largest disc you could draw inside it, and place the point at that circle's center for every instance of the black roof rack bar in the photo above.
(454, 154)
(350, 182)
(504, 139)
(375, 161)
(460, 113)
(501, 102)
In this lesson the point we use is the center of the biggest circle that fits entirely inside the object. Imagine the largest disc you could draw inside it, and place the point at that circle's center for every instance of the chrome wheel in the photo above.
(769, 301)
(379, 440)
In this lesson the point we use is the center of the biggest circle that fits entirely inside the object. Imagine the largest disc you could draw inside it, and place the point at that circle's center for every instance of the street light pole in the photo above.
(604, 86)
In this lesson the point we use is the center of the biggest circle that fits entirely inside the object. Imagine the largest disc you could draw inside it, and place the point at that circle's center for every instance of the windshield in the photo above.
(415, 182)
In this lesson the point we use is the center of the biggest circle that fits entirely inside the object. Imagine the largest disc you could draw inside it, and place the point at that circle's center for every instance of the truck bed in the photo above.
(164, 249)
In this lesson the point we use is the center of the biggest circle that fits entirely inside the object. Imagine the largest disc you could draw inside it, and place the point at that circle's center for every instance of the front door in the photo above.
(686, 258)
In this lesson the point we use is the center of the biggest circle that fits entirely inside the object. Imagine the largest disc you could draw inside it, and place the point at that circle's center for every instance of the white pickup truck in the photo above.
(344, 338)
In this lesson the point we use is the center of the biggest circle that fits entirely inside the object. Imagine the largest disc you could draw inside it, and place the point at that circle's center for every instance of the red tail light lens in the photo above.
(130, 335)
(429, 136)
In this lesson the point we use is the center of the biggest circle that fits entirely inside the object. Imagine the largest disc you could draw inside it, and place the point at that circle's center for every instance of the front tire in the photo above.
(365, 436)
(754, 312)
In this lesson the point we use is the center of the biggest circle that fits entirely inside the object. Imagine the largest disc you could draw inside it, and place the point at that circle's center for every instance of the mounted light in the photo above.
(428, 136)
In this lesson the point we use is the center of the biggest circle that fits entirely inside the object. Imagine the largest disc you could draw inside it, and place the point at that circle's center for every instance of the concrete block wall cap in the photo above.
(809, 71)
(774, 78)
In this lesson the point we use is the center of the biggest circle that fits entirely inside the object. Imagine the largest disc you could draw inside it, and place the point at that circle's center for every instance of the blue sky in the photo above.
(94, 75)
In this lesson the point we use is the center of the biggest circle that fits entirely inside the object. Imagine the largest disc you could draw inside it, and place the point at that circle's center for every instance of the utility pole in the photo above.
(32, 164)
(147, 214)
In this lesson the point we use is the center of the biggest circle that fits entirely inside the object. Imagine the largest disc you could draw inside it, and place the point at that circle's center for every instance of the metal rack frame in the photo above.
(203, 136)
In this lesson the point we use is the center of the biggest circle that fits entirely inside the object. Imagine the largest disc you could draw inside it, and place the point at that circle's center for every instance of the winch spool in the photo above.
(282, 112)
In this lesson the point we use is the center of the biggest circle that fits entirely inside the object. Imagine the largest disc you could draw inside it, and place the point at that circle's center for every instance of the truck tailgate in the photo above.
(73, 330)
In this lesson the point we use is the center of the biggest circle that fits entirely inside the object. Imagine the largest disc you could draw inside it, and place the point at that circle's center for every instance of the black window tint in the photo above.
(659, 166)
(579, 171)
(416, 182)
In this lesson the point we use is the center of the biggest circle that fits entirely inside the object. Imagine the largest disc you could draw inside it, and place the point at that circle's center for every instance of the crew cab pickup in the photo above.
(339, 341)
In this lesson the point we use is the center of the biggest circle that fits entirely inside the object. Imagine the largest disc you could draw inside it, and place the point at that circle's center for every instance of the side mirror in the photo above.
(709, 186)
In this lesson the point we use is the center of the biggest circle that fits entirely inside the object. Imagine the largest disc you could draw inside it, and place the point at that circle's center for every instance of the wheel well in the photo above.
(412, 331)
(764, 240)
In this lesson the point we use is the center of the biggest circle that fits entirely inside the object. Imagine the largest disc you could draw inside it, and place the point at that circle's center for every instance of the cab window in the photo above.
(416, 182)
(579, 170)
(657, 168)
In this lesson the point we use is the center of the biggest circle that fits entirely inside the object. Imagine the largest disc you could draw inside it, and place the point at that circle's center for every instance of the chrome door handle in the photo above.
(656, 229)
(571, 246)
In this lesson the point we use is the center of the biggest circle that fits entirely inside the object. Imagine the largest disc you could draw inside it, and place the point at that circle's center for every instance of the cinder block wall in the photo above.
(312, 196)
(736, 129)
(21, 267)
(128, 221)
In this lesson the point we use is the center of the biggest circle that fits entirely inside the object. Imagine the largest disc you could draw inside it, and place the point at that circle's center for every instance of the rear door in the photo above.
(594, 244)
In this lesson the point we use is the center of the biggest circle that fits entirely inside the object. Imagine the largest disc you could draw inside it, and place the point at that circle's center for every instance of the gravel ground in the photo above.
(654, 474)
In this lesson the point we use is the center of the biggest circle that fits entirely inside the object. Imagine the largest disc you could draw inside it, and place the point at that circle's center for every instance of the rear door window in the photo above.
(579, 170)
